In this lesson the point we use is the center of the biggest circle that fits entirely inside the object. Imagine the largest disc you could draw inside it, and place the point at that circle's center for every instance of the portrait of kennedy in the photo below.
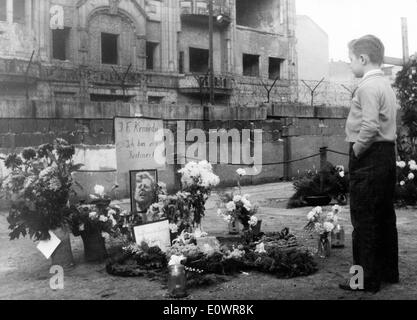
(144, 184)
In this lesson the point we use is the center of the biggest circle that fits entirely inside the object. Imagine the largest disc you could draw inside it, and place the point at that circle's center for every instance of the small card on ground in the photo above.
(47, 247)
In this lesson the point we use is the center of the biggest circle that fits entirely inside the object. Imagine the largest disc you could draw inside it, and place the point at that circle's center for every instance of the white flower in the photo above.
(402, 183)
(241, 172)
(81, 227)
(342, 174)
(103, 218)
(401, 164)
(105, 235)
(237, 198)
(93, 215)
(413, 167)
(318, 210)
(99, 190)
(231, 206)
(336, 209)
(340, 168)
(311, 216)
(328, 226)
(260, 248)
(175, 260)
(411, 176)
(253, 221)
(173, 227)
(199, 234)
(412, 163)
(112, 212)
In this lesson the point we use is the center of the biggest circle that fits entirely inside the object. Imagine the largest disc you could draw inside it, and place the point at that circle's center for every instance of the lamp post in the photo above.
(211, 51)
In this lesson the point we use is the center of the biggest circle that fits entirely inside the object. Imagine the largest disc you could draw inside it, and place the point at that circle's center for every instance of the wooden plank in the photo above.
(394, 61)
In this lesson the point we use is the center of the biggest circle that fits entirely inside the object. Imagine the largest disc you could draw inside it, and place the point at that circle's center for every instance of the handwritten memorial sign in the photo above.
(136, 140)
(154, 234)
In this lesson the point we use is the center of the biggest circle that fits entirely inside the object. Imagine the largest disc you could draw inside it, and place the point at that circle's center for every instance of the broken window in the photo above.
(3, 10)
(275, 68)
(150, 55)
(19, 11)
(250, 65)
(199, 60)
(109, 48)
(155, 99)
(61, 44)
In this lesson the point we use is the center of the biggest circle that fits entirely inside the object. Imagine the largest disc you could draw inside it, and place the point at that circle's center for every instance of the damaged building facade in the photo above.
(147, 51)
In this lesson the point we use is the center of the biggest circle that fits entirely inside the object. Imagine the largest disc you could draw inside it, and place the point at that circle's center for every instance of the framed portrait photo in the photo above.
(143, 186)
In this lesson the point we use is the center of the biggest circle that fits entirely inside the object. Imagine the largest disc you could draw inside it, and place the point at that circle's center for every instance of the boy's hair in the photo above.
(369, 45)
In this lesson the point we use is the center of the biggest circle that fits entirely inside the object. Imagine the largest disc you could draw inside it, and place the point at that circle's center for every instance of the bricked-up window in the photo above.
(61, 44)
(19, 11)
(109, 48)
(275, 65)
(250, 65)
(199, 60)
(151, 48)
(3, 10)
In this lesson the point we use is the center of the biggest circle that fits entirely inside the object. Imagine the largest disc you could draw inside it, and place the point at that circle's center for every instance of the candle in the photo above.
(177, 286)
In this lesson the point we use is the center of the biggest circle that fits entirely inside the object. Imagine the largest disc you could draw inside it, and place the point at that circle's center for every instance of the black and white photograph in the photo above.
(260, 150)
(143, 190)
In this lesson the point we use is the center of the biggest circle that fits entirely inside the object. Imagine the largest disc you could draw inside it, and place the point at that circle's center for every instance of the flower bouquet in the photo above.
(197, 181)
(98, 221)
(238, 208)
(323, 223)
(39, 186)
(406, 189)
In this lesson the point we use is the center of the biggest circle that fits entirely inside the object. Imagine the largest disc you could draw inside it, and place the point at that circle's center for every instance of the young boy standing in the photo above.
(371, 131)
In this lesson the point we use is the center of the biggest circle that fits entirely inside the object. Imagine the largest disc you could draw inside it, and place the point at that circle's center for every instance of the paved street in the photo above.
(24, 273)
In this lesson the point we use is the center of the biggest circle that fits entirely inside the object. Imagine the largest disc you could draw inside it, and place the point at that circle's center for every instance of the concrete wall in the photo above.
(289, 132)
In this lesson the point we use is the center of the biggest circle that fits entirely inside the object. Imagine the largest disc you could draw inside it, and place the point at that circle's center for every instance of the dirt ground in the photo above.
(24, 272)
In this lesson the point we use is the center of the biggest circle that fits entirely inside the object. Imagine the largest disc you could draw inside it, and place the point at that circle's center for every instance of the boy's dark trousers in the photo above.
(374, 238)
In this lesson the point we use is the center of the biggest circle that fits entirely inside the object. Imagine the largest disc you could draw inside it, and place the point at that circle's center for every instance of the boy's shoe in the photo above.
(345, 285)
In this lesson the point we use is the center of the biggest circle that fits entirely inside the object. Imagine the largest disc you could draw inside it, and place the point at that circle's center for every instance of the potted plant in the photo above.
(318, 188)
(97, 221)
(39, 186)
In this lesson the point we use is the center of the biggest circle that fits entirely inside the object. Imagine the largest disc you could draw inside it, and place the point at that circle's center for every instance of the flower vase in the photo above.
(338, 237)
(234, 227)
(257, 228)
(324, 248)
(62, 256)
(173, 236)
(94, 246)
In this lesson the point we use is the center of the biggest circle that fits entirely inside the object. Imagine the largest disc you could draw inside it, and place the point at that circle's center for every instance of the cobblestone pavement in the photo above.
(24, 272)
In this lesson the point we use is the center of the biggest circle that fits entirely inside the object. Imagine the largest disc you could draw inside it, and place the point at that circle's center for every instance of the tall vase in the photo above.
(94, 246)
(62, 256)
(324, 248)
